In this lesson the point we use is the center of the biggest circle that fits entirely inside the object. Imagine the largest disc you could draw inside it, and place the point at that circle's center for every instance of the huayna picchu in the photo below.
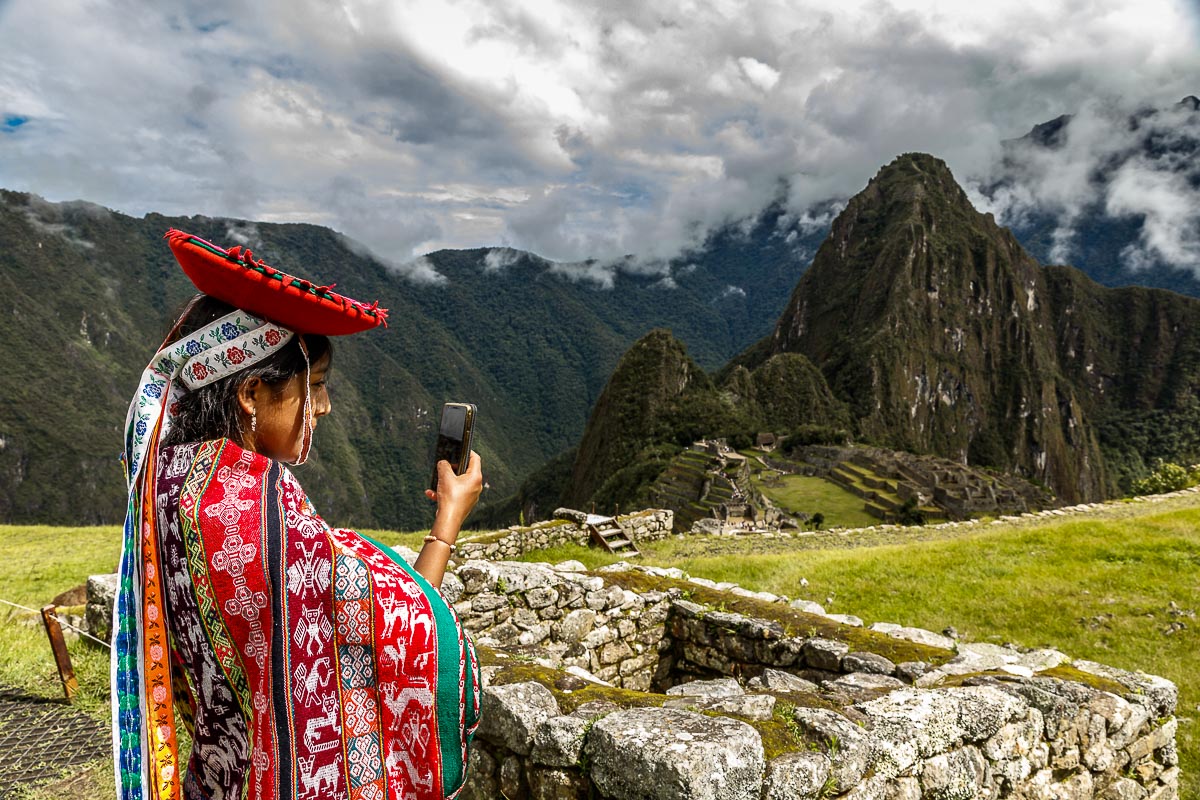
(922, 327)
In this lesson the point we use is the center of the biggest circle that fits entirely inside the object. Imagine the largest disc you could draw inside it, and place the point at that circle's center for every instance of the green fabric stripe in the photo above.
(449, 703)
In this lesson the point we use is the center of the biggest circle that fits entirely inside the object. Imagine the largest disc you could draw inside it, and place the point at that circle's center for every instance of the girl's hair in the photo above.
(212, 411)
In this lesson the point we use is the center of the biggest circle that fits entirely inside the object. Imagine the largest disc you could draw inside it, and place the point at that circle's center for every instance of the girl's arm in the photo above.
(456, 496)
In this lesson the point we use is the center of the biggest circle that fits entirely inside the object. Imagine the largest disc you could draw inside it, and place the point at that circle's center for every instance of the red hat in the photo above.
(237, 278)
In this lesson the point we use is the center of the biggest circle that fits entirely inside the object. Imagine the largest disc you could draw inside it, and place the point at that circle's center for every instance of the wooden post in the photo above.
(62, 658)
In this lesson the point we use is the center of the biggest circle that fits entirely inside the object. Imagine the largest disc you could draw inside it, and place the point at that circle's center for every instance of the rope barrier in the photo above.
(61, 621)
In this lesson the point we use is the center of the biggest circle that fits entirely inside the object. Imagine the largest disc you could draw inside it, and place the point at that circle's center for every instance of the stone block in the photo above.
(796, 776)
(597, 637)
(654, 615)
(575, 626)
(98, 615)
(708, 690)
(957, 775)
(1158, 737)
(534, 635)
(910, 671)
(759, 707)
(668, 754)
(857, 682)
(512, 783)
(912, 724)
(510, 714)
(558, 741)
(825, 654)
(524, 619)
(488, 601)
(905, 788)
(615, 652)
(541, 596)
(808, 607)
(775, 680)
(849, 746)
(867, 662)
(476, 622)
(503, 635)
(557, 784)
(452, 588)
(1159, 695)
(483, 780)
(918, 635)
(1122, 789)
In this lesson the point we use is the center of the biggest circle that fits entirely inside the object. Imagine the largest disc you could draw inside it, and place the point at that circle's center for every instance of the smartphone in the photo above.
(454, 439)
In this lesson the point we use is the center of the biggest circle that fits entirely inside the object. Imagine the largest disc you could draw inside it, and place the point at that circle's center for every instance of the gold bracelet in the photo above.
(432, 538)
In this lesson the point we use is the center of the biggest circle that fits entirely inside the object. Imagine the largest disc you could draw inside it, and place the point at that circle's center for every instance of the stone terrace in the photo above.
(639, 683)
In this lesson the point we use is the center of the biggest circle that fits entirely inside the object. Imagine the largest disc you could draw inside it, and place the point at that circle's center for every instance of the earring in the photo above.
(253, 421)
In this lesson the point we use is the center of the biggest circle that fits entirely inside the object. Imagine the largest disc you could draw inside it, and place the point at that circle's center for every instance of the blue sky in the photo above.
(569, 128)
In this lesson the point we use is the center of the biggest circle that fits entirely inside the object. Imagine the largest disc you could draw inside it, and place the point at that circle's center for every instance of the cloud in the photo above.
(1111, 158)
(568, 128)
(1169, 205)
(500, 258)
(420, 271)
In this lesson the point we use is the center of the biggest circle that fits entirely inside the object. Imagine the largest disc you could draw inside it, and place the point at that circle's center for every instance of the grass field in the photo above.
(1099, 587)
(799, 493)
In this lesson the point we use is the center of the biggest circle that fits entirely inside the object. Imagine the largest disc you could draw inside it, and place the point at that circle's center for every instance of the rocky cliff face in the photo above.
(650, 380)
(936, 328)
(658, 400)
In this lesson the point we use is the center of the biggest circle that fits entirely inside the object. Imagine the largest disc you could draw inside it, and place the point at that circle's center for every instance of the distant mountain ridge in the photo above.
(85, 293)
(935, 332)
(88, 293)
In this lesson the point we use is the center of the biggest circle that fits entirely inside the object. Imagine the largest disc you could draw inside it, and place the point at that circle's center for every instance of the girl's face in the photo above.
(279, 414)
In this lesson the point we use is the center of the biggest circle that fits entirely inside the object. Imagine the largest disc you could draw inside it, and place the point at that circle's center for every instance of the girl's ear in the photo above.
(249, 392)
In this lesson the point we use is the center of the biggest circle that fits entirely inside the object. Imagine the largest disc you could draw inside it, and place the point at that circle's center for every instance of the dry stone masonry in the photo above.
(568, 527)
(632, 682)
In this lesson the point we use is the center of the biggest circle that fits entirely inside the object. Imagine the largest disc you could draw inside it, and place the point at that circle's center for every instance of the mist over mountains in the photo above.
(923, 326)
(88, 293)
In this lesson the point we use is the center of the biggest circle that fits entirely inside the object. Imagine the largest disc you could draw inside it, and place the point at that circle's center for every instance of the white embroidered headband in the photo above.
(221, 348)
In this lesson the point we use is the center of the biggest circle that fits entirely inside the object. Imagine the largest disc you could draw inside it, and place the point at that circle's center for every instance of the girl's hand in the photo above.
(457, 495)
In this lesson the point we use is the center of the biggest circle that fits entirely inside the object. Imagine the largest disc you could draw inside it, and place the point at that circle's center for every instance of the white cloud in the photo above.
(420, 270)
(568, 128)
(1170, 208)
(1100, 161)
(498, 258)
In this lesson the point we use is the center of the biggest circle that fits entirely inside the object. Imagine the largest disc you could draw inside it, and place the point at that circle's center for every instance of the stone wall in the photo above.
(636, 682)
(643, 526)
(757, 698)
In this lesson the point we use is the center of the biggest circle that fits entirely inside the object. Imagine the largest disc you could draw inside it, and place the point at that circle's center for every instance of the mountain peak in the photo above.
(1191, 102)
(906, 310)
(910, 182)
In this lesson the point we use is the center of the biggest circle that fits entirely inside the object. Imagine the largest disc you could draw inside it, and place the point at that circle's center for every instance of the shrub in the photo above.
(805, 435)
(1166, 477)
(909, 514)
